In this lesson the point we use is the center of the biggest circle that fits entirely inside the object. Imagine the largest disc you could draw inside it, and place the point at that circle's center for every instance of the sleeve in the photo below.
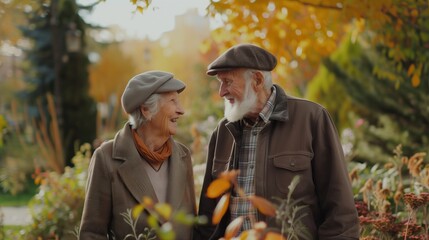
(190, 180)
(97, 207)
(340, 218)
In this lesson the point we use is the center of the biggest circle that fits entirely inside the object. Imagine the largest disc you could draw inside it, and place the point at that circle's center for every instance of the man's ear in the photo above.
(259, 80)
(145, 112)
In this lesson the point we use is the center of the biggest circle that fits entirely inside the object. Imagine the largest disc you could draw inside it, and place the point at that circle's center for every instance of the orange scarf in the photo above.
(153, 157)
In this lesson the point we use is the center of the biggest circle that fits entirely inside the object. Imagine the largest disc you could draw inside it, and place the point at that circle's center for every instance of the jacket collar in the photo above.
(135, 177)
(280, 112)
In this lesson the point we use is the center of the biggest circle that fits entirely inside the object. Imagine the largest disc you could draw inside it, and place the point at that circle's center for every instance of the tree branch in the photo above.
(320, 5)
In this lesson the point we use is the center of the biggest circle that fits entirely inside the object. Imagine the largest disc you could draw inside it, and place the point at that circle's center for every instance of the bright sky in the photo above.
(152, 23)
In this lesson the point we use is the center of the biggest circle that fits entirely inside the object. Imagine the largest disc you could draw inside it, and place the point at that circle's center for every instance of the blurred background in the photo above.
(65, 63)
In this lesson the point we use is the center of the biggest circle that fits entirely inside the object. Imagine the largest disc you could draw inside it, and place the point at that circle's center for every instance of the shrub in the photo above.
(57, 208)
(393, 200)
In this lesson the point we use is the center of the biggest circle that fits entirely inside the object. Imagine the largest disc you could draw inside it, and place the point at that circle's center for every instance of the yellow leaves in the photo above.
(221, 208)
(204, 47)
(414, 13)
(109, 76)
(140, 9)
(147, 202)
(357, 28)
(218, 187)
(380, 72)
(282, 15)
(415, 74)
(164, 210)
(289, 23)
(137, 210)
(141, 5)
(282, 34)
(263, 205)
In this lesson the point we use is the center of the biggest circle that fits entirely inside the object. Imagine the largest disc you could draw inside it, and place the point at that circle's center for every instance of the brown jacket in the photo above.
(300, 139)
(117, 181)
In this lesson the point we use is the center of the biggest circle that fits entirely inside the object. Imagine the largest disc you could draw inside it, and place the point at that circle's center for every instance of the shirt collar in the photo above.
(266, 111)
(269, 106)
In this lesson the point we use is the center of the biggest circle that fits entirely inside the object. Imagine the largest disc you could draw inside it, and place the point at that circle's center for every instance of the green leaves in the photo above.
(160, 219)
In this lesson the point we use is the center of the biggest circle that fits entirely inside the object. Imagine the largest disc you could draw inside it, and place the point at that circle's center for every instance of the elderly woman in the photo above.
(142, 160)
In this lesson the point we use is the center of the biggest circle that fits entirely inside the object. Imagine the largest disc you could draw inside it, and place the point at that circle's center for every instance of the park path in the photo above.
(15, 215)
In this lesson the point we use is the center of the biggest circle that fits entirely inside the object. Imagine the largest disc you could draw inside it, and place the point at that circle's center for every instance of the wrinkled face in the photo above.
(169, 112)
(240, 98)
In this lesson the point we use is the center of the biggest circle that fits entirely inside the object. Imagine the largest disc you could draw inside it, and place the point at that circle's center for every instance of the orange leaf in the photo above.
(274, 236)
(230, 175)
(415, 80)
(38, 180)
(218, 187)
(147, 202)
(220, 209)
(263, 205)
(233, 228)
(411, 69)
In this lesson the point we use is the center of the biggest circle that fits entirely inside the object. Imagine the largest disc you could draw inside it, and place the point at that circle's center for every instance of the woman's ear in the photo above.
(145, 112)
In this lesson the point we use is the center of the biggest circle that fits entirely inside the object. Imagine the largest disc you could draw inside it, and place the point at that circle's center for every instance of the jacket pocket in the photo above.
(288, 165)
(219, 166)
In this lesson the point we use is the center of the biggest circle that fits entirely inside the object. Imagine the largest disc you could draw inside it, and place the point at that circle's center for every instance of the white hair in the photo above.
(268, 82)
(137, 119)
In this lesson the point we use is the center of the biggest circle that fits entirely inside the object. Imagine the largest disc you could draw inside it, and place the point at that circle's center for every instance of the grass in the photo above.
(21, 199)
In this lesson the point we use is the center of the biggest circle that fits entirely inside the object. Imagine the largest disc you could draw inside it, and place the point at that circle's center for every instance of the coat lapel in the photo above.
(136, 179)
(132, 171)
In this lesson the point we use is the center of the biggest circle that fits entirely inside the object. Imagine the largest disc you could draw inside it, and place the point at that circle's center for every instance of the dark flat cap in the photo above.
(143, 85)
(243, 56)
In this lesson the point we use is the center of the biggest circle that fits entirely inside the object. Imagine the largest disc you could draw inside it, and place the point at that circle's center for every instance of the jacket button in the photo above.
(292, 164)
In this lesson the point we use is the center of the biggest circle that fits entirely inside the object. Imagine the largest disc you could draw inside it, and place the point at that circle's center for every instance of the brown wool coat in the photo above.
(299, 140)
(117, 181)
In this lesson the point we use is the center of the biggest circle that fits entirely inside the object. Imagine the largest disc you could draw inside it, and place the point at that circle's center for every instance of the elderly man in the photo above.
(271, 138)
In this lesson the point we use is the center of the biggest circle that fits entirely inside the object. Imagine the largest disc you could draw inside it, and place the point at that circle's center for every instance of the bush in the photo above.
(393, 200)
(57, 208)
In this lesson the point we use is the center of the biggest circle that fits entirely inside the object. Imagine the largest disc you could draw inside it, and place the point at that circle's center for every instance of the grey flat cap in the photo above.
(243, 56)
(143, 85)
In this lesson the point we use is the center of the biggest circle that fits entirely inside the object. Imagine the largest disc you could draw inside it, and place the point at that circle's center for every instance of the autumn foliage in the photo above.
(301, 32)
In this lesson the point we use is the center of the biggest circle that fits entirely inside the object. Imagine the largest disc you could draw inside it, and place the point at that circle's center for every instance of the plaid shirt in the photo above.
(246, 164)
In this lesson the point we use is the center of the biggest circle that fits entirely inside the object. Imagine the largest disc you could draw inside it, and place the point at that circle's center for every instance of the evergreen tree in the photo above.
(394, 111)
(61, 72)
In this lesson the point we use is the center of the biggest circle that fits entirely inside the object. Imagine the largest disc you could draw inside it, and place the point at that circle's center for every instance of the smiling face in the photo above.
(240, 98)
(170, 109)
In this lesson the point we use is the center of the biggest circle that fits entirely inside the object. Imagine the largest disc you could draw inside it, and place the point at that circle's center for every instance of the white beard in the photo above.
(236, 111)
